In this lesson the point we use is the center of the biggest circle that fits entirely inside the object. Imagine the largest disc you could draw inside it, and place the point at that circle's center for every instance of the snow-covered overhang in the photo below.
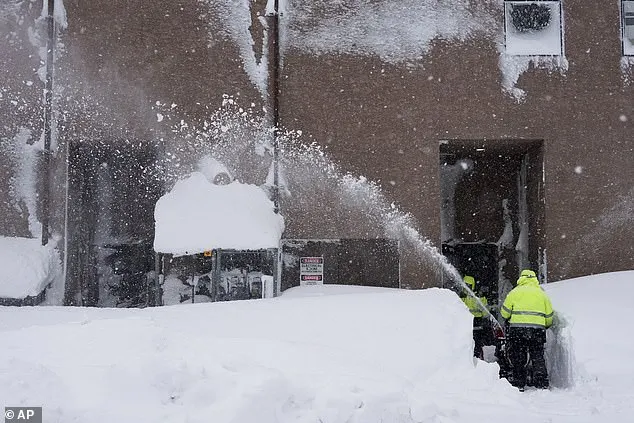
(197, 216)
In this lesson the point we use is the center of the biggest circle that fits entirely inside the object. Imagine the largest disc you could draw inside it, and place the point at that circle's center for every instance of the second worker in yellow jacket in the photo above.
(529, 313)
(479, 314)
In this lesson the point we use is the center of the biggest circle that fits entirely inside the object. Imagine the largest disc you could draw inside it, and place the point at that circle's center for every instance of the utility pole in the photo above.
(273, 93)
(48, 114)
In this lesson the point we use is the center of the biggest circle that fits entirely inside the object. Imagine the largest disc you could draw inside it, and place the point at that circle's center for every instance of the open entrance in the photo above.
(112, 190)
(492, 210)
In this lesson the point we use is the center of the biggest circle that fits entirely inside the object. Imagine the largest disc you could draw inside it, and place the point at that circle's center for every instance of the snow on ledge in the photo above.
(27, 267)
(627, 69)
(512, 67)
(197, 216)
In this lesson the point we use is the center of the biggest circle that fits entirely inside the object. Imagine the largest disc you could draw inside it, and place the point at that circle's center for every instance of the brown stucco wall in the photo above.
(20, 105)
(381, 120)
(126, 55)
(385, 121)
(120, 59)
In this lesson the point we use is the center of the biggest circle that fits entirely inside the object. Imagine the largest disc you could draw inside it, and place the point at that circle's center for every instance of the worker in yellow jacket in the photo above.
(529, 313)
(479, 314)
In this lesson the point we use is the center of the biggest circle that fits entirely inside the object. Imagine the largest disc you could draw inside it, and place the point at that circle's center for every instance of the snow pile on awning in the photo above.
(26, 267)
(197, 216)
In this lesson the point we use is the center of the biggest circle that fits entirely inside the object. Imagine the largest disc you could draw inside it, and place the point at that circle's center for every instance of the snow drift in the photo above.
(253, 361)
(364, 356)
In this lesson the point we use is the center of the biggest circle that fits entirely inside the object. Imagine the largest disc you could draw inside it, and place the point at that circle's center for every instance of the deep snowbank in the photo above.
(332, 289)
(599, 313)
(332, 358)
(397, 356)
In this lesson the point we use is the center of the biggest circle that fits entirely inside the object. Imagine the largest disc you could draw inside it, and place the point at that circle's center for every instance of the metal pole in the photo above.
(274, 90)
(48, 113)
(193, 267)
(161, 280)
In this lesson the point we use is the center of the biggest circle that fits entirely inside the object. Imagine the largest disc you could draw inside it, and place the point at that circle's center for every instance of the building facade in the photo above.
(499, 123)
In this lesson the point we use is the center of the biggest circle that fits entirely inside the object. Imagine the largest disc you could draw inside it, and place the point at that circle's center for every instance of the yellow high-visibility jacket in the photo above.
(527, 305)
(471, 302)
(473, 306)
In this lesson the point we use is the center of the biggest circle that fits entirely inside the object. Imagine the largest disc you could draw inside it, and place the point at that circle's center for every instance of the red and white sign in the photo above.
(311, 271)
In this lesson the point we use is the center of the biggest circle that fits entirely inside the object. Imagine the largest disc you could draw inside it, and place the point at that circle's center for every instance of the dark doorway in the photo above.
(112, 190)
(477, 259)
(492, 209)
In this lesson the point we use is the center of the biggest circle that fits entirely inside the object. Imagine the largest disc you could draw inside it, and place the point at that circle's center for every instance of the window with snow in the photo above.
(533, 28)
(627, 14)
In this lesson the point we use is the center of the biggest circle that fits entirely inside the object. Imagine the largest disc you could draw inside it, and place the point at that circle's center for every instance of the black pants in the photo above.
(482, 335)
(478, 337)
(522, 344)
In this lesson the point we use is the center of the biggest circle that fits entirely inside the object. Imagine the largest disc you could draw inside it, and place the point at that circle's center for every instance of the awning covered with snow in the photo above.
(26, 267)
(197, 216)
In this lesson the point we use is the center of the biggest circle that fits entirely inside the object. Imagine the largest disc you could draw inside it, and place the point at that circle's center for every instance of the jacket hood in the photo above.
(528, 280)
(469, 281)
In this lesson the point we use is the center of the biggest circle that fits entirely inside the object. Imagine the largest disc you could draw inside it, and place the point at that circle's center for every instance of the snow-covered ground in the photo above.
(358, 356)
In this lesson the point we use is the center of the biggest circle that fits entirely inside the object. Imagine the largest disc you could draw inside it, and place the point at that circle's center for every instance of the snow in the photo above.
(282, 184)
(24, 153)
(25, 147)
(513, 67)
(331, 289)
(627, 61)
(197, 216)
(396, 32)
(366, 356)
(627, 14)
(451, 175)
(213, 169)
(542, 49)
(237, 23)
(599, 310)
(27, 267)
(506, 239)
(546, 41)
(628, 46)
(59, 12)
(627, 66)
(317, 353)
